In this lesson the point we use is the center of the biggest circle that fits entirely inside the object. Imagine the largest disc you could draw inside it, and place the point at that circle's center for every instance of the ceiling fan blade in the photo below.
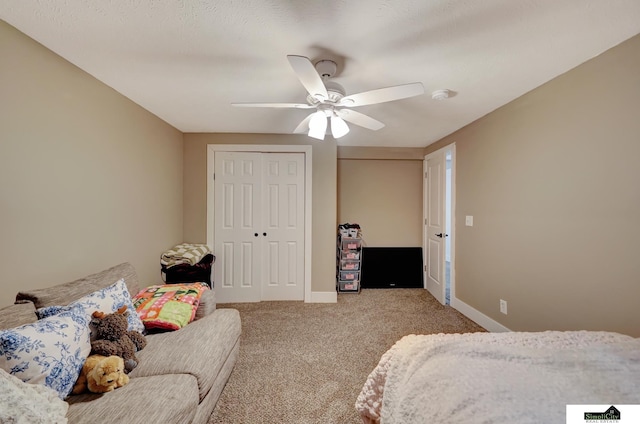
(303, 127)
(359, 119)
(382, 95)
(276, 105)
(308, 76)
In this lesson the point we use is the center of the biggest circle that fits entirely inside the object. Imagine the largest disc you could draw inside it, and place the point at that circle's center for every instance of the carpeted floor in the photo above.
(306, 363)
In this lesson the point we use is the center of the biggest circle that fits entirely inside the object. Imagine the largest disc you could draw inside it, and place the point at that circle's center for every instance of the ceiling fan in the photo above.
(331, 102)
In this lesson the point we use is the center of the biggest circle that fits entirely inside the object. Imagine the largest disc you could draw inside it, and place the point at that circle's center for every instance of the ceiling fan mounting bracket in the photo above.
(326, 68)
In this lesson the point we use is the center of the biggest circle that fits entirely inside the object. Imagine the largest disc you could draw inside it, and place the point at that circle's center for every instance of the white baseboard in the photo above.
(478, 317)
(324, 297)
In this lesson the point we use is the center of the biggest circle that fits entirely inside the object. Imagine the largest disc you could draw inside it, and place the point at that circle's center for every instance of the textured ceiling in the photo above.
(186, 61)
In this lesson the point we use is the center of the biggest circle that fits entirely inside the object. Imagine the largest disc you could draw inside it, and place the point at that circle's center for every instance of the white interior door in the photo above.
(259, 226)
(238, 185)
(283, 226)
(435, 224)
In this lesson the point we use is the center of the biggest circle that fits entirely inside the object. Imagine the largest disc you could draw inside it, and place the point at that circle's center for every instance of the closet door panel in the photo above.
(238, 186)
(284, 221)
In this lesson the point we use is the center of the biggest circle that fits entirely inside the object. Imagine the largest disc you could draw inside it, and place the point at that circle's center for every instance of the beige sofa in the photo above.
(180, 374)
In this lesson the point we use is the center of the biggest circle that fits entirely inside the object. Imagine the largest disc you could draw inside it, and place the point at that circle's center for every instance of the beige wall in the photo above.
(323, 272)
(88, 179)
(384, 197)
(553, 182)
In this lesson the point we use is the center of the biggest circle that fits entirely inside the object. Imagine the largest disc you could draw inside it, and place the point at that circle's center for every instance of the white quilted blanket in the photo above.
(500, 377)
(24, 403)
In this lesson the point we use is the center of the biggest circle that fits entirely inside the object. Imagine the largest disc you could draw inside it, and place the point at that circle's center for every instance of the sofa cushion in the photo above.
(63, 294)
(200, 349)
(157, 399)
(50, 351)
(107, 300)
(17, 314)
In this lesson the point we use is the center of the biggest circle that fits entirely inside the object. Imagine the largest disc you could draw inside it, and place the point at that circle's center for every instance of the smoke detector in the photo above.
(440, 95)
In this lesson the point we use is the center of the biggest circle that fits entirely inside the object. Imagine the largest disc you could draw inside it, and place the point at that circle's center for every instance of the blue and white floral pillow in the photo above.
(106, 300)
(50, 351)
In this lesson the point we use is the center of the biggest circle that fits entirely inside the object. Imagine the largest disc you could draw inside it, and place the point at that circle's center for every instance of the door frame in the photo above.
(265, 148)
(452, 217)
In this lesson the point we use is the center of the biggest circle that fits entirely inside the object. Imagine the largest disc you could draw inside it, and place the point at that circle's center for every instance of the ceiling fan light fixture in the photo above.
(339, 128)
(318, 125)
(316, 133)
(328, 98)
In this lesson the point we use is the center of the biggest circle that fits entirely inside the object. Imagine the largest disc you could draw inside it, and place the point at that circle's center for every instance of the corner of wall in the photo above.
(478, 317)
(323, 297)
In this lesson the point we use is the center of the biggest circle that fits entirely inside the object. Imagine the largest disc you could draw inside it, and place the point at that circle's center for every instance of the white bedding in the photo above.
(499, 377)
(24, 403)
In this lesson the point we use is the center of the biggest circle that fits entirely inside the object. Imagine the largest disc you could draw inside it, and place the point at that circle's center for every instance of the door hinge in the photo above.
(425, 174)
(425, 221)
(214, 176)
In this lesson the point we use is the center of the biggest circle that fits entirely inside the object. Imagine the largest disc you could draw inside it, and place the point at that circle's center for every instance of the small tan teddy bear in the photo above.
(101, 374)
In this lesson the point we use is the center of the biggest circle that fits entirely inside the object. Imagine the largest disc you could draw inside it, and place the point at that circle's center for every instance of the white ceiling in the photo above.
(186, 61)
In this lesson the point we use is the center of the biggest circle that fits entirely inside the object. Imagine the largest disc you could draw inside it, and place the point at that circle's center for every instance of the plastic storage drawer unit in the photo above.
(349, 275)
(349, 285)
(350, 255)
(351, 244)
(349, 265)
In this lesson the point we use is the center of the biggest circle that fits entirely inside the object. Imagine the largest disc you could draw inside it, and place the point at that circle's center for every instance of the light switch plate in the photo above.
(469, 221)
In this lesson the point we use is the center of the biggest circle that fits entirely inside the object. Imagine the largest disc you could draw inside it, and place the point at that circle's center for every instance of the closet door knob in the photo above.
(255, 235)
(264, 234)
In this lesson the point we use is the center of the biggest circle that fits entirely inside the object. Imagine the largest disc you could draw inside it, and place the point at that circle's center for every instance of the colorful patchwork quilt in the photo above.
(168, 306)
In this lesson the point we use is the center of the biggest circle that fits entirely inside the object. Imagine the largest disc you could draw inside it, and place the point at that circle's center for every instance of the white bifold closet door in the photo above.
(259, 226)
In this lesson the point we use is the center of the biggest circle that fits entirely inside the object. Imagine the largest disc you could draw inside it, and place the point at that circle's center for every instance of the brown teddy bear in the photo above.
(101, 374)
(113, 338)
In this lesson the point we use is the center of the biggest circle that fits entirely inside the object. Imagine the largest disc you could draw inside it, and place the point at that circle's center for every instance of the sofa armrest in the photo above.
(207, 304)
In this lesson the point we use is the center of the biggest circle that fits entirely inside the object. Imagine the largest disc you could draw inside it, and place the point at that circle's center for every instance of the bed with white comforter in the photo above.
(499, 377)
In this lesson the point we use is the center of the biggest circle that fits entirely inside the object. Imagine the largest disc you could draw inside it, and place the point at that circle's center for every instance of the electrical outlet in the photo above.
(503, 306)
(468, 221)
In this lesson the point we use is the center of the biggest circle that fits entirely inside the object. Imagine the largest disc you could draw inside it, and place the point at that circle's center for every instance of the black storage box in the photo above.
(183, 273)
